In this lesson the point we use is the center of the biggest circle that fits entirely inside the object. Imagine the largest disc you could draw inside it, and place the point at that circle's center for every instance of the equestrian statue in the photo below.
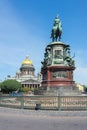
(56, 30)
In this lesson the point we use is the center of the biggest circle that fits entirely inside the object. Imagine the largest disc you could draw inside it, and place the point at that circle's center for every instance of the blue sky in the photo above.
(25, 28)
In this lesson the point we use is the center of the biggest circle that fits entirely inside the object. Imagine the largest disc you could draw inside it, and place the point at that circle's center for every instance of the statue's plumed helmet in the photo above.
(56, 19)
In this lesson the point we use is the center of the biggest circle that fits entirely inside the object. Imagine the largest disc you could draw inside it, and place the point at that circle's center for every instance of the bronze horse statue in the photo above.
(56, 30)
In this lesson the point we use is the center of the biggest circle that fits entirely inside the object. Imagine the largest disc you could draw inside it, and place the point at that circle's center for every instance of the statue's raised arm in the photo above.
(56, 30)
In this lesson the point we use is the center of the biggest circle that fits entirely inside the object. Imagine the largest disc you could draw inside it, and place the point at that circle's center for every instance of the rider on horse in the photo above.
(56, 30)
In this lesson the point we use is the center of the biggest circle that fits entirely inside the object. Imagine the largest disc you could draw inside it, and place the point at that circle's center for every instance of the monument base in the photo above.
(59, 91)
(57, 71)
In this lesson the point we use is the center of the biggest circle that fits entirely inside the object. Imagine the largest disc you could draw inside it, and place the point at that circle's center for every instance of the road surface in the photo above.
(12, 120)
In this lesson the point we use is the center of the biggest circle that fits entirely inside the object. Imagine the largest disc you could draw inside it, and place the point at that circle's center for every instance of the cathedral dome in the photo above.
(27, 61)
(27, 66)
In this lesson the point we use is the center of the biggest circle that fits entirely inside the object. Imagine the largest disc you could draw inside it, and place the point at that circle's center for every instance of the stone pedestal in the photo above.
(57, 69)
(58, 80)
(57, 76)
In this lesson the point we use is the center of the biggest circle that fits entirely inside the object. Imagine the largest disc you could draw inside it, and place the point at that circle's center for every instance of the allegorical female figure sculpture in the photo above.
(56, 30)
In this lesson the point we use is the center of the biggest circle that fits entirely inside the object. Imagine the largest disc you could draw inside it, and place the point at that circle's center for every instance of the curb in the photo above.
(42, 112)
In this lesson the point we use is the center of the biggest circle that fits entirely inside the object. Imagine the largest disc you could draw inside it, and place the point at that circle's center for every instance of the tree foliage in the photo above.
(8, 86)
(26, 89)
(85, 88)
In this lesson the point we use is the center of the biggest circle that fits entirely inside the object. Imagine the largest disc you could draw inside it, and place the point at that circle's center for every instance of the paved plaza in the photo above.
(16, 119)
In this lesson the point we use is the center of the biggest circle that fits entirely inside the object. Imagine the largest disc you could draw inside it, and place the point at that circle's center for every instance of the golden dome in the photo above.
(27, 61)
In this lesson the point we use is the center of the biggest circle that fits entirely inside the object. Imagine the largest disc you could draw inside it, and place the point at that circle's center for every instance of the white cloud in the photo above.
(10, 55)
(81, 75)
(15, 42)
(11, 37)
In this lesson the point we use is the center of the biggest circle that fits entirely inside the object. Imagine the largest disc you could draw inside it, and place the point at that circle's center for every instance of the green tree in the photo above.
(26, 89)
(0, 87)
(35, 91)
(8, 86)
(85, 88)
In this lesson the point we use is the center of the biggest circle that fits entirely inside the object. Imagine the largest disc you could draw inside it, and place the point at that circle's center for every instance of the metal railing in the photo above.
(46, 102)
